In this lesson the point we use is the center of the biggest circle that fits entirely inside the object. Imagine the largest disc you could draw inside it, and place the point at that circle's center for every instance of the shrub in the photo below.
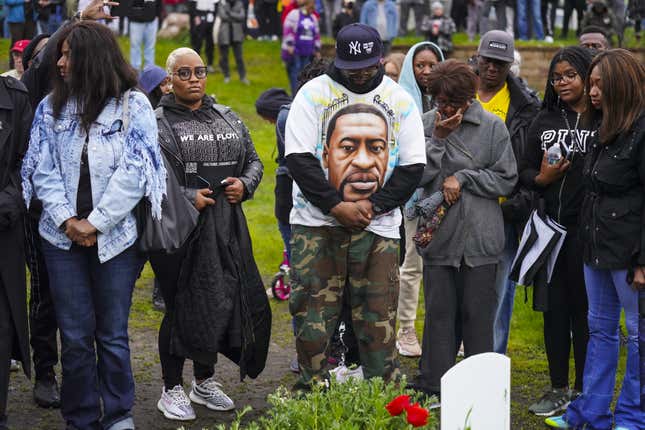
(354, 405)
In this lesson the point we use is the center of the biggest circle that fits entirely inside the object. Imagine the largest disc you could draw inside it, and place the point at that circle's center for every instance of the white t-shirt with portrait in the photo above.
(310, 114)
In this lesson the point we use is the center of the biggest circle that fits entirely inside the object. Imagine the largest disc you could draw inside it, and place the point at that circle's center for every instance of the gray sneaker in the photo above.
(553, 401)
(209, 393)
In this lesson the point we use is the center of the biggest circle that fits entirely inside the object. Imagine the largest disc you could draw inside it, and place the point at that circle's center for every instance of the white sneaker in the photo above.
(209, 393)
(407, 343)
(15, 366)
(175, 405)
(548, 39)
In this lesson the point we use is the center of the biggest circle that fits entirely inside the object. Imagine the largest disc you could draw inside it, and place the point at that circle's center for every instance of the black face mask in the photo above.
(336, 74)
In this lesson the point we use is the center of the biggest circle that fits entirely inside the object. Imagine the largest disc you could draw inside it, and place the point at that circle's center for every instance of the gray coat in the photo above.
(232, 18)
(480, 156)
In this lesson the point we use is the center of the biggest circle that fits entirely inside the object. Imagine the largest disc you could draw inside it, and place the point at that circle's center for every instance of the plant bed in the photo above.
(354, 405)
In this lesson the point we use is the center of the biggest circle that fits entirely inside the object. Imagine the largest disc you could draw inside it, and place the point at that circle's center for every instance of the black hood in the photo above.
(169, 103)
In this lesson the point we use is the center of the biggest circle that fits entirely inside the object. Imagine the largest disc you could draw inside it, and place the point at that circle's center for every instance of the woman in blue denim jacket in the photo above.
(90, 164)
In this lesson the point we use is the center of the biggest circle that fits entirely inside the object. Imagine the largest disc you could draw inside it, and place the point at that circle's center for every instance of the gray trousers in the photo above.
(420, 9)
(460, 305)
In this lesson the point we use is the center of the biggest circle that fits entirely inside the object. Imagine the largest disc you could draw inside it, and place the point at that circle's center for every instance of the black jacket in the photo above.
(613, 212)
(15, 124)
(221, 306)
(252, 170)
(523, 107)
(563, 198)
(141, 10)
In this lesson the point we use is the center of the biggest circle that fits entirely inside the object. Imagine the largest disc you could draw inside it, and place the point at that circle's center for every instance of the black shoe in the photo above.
(46, 394)
(428, 395)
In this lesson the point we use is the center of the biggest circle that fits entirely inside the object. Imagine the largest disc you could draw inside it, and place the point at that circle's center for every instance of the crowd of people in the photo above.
(394, 171)
(300, 23)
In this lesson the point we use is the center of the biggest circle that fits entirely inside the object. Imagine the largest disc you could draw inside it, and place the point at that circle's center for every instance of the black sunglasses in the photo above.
(185, 73)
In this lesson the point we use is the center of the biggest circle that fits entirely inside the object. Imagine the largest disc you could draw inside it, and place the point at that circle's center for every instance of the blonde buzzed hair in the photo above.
(174, 55)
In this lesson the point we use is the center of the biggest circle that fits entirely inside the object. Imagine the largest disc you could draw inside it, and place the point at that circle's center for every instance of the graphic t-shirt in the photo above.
(359, 140)
(210, 148)
(499, 104)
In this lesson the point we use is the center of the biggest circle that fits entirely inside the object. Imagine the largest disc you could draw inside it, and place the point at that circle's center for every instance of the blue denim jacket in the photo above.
(125, 165)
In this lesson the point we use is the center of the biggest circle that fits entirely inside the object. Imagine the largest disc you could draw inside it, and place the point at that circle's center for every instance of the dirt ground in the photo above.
(25, 415)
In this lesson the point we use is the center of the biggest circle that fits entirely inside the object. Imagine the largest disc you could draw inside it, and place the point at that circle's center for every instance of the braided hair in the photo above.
(579, 58)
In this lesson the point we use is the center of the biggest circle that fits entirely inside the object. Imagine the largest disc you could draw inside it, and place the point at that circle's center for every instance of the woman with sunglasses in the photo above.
(558, 128)
(215, 161)
(90, 161)
(613, 243)
(470, 159)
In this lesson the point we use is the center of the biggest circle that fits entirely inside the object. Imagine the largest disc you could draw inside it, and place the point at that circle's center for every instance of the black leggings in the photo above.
(239, 60)
(203, 34)
(166, 268)
(566, 320)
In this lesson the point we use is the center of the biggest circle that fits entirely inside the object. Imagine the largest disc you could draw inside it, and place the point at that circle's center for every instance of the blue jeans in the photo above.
(506, 291)
(285, 232)
(294, 67)
(608, 292)
(143, 33)
(522, 19)
(92, 303)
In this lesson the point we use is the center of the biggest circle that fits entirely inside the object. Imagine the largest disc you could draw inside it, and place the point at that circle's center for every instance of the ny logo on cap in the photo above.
(355, 47)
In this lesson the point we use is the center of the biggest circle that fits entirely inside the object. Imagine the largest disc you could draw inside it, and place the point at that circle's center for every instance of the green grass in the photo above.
(461, 39)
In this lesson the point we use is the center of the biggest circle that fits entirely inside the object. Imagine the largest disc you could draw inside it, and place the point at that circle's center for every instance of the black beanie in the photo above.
(269, 103)
(29, 49)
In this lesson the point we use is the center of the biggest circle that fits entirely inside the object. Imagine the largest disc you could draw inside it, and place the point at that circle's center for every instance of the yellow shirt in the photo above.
(498, 105)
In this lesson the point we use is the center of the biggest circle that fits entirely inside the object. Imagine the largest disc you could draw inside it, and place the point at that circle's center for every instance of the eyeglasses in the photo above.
(185, 73)
(440, 104)
(563, 79)
(368, 72)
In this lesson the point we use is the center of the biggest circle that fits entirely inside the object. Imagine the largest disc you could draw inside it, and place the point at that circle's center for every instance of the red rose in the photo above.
(417, 416)
(398, 405)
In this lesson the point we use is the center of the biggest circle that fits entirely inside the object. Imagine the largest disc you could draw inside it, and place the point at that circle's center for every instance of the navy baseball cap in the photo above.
(357, 46)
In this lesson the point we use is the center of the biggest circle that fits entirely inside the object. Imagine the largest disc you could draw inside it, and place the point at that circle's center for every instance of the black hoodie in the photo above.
(209, 146)
(563, 198)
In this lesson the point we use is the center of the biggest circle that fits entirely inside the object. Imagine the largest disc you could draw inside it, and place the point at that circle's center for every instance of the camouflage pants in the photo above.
(324, 261)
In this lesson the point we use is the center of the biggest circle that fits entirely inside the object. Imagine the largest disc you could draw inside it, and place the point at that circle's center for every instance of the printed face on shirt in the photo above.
(356, 151)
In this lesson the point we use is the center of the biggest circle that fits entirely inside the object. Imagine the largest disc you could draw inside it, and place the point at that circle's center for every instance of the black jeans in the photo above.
(569, 6)
(268, 19)
(203, 34)
(42, 315)
(166, 268)
(548, 16)
(460, 305)
(566, 320)
(239, 60)
(7, 331)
